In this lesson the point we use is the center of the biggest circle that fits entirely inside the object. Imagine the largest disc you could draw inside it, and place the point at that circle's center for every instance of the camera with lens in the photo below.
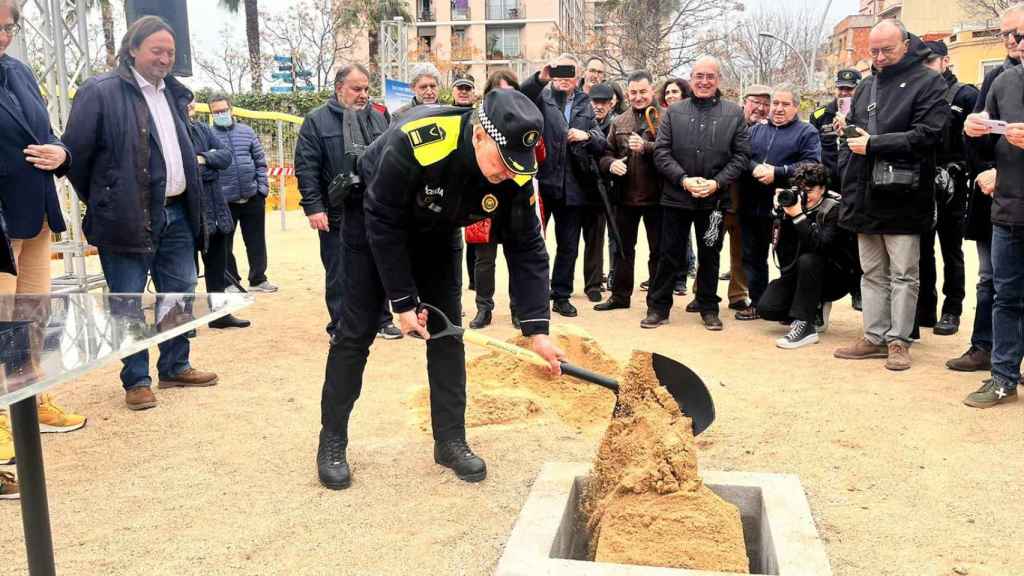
(789, 197)
(348, 181)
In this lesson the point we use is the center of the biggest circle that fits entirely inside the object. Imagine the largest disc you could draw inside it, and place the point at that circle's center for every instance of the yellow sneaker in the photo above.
(53, 418)
(8, 486)
(6, 440)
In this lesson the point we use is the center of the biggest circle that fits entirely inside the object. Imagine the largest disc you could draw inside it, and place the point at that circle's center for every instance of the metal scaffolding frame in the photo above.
(394, 53)
(58, 30)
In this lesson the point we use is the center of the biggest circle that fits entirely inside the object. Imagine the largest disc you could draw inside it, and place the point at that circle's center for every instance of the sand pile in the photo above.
(504, 390)
(645, 502)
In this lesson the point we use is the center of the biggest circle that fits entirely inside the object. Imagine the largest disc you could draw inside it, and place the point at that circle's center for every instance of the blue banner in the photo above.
(396, 94)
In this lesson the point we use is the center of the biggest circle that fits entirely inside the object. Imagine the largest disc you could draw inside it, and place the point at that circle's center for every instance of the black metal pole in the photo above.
(35, 512)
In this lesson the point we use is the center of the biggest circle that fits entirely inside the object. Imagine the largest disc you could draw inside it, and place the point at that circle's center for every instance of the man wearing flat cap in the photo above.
(438, 169)
(463, 90)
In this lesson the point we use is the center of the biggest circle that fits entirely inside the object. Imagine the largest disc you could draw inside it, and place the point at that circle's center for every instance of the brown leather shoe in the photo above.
(899, 356)
(139, 398)
(190, 378)
(861, 350)
(974, 360)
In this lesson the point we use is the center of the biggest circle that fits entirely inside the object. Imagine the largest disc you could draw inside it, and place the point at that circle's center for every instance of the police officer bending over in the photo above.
(818, 259)
(437, 170)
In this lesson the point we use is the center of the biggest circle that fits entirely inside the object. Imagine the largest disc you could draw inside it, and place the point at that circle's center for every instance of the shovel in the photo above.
(683, 384)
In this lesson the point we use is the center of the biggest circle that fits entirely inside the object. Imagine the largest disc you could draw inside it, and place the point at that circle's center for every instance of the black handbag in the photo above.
(8, 265)
(886, 175)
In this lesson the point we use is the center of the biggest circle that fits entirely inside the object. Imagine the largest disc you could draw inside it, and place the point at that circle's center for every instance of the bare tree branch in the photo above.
(985, 8)
(228, 67)
(312, 32)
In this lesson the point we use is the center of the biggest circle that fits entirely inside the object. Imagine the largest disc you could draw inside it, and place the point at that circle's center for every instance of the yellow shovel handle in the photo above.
(504, 347)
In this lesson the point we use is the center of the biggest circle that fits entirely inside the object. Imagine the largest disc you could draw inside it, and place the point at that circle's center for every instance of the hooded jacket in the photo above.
(560, 180)
(118, 168)
(705, 137)
(912, 115)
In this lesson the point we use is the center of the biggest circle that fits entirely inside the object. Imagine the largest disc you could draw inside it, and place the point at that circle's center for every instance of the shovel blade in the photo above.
(688, 390)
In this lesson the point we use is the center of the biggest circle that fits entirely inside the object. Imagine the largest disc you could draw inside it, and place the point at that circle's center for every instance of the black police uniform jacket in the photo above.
(822, 119)
(422, 176)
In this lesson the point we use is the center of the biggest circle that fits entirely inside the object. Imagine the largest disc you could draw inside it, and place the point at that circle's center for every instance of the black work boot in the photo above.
(482, 319)
(331, 464)
(456, 454)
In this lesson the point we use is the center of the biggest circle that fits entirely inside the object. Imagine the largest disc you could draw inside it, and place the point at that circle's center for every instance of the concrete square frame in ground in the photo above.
(780, 535)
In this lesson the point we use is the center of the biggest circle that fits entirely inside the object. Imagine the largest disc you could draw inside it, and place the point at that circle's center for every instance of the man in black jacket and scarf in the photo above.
(571, 134)
(701, 150)
(889, 186)
(978, 226)
(330, 140)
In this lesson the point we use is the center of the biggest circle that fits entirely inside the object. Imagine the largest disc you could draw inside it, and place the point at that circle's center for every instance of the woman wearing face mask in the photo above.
(30, 157)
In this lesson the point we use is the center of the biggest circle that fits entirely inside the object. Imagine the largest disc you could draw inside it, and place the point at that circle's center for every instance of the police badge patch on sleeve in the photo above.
(426, 135)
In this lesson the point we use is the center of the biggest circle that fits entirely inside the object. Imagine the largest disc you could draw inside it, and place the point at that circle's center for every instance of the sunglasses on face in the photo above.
(463, 88)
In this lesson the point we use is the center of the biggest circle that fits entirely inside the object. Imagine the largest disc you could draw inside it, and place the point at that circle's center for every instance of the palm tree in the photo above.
(252, 34)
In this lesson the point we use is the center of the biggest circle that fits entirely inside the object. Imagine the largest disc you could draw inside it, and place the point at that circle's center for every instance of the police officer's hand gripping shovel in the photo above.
(683, 384)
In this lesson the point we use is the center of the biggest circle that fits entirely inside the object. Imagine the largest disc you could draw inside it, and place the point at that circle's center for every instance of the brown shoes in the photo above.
(190, 378)
(899, 357)
(861, 350)
(139, 398)
(974, 360)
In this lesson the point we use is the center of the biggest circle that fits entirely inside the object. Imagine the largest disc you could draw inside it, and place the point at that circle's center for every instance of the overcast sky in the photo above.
(207, 18)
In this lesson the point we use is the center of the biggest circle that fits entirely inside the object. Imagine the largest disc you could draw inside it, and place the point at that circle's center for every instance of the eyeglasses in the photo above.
(702, 76)
(463, 88)
(11, 29)
(1017, 37)
(887, 51)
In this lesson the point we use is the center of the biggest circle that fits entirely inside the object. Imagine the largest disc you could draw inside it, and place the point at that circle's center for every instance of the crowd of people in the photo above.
(848, 203)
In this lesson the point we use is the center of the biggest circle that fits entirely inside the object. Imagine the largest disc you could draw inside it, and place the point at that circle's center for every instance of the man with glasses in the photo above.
(778, 147)
(702, 148)
(898, 114)
(464, 90)
(594, 74)
(978, 226)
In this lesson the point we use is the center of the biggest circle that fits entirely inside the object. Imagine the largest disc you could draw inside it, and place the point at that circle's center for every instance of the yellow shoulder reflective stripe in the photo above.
(819, 112)
(522, 179)
(433, 138)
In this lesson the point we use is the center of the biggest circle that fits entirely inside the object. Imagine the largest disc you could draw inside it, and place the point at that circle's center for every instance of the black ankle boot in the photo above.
(331, 463)
(483, 318)
(456, 454)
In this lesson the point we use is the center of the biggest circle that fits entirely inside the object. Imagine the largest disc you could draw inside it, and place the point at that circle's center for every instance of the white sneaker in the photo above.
(264, 286)
(801, 334)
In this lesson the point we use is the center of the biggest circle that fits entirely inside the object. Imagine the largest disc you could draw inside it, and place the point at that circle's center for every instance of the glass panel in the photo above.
(460, 9)
(502, 43)
(503, 10)
(49, 339)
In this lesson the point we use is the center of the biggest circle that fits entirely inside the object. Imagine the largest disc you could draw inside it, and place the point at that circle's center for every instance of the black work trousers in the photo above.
(675, 230)
(436, 259)
(950, 230)
(330, 257)
(252, 218)
(215, 262)
(627, 218)
(802, 287)
(572, 222)
(484, 270)
(756, 237)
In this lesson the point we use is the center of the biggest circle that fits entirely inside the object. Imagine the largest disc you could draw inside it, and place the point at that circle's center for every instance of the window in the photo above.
(502, 43)
(461, 50)
(503, 10)
(460, 9)
(987, 66)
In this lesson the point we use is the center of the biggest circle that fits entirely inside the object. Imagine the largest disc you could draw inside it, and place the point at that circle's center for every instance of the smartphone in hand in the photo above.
(850, 132)
(563, 71)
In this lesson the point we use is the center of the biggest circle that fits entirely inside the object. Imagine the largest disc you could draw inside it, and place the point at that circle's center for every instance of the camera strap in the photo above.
(873, 108)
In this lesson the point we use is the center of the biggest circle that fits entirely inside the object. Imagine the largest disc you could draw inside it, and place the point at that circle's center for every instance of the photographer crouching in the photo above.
(817, 259)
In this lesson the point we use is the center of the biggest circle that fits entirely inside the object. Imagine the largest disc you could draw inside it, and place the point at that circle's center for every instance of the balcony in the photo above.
(504, 10)
(460, 10)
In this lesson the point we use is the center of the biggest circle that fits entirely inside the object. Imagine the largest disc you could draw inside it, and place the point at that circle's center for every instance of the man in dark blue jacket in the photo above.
(570, 130)
(778, 148)
(213, 157)
(245, 187)
(136, 169)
